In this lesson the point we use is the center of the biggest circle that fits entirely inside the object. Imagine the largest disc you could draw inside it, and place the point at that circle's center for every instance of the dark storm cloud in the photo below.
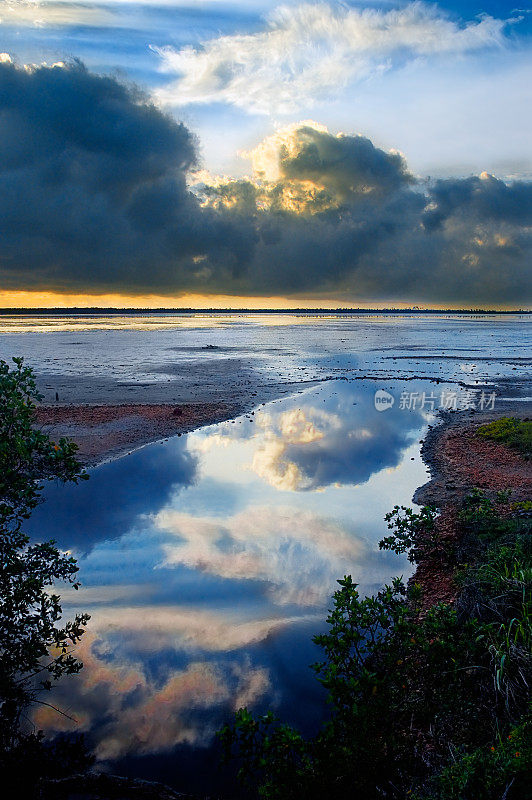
(93, 188)
(484, 198)
(94, 198)
(328, 248)
(350, 166)
(345, 218)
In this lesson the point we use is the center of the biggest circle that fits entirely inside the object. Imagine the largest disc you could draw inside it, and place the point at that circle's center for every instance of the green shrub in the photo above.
(499, 770)
(429, 705)
(35, 643)
(515, 433)
(413, 533)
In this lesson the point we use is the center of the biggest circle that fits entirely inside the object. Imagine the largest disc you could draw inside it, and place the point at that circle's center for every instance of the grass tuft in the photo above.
(516, 433)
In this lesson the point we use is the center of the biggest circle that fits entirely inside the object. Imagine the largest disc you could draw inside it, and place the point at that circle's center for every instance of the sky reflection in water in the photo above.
(208, 562)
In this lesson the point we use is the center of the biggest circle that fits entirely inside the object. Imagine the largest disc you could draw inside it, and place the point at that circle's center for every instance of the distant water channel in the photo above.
(208, 561)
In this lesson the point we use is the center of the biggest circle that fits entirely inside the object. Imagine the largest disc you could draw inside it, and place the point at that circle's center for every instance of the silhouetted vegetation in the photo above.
(84, 310)
(425, 704)
(35, 642)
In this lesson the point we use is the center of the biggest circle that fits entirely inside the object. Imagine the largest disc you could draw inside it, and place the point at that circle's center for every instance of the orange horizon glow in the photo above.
(42, 299)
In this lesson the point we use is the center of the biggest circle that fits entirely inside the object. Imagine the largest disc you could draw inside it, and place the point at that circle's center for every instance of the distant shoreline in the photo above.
(96, 310)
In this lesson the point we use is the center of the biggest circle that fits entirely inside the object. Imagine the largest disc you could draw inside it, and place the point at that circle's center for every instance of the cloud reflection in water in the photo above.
(134, 713)
(208, 557)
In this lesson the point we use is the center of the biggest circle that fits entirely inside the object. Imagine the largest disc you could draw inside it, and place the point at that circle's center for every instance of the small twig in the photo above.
(42, 703)
(505, 795)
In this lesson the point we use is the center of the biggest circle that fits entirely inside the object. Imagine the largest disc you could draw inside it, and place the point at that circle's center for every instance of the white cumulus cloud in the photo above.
(304, 52)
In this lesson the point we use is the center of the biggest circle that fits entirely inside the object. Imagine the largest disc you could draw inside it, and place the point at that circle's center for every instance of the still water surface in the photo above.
(276, 346)
(208, 562)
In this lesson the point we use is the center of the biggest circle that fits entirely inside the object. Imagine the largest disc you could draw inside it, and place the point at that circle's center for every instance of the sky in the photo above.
(255, 153)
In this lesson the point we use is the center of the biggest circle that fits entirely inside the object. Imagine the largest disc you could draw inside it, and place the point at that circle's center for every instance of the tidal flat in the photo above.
(113, 383)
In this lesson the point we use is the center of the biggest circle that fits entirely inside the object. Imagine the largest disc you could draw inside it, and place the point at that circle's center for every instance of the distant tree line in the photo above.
(102, 311)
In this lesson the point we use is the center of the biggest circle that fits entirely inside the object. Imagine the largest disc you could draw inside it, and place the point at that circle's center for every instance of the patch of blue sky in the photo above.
(123, 37)
(470, 9)
(213, 496)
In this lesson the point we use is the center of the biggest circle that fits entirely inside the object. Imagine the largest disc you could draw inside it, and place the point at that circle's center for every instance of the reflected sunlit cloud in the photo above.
(132, 712)
(306, 448)
(298, 555)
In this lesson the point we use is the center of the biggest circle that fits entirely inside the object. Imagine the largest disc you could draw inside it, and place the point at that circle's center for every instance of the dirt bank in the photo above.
(460, 460)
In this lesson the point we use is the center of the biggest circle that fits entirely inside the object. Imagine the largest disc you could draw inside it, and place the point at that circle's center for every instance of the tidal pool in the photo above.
(208, 562)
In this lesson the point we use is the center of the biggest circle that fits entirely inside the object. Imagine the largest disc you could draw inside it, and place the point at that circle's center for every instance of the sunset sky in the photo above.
(219, 153)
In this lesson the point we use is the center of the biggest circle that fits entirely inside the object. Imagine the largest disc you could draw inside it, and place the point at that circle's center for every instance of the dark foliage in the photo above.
(428, 705)
(35, 642)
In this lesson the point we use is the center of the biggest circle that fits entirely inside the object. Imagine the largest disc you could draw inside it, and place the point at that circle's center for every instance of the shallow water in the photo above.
(208, 561)
(275, 347)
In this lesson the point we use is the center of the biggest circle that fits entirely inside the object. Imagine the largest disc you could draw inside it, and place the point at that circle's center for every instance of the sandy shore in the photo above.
(108, 417)
(458, 459)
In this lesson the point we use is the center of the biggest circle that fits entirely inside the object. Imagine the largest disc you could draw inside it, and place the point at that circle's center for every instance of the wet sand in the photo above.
(109, 431)
(107, 418)
(213, 380)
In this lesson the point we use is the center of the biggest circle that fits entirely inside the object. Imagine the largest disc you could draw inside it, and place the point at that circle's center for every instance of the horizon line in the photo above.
(43, 310)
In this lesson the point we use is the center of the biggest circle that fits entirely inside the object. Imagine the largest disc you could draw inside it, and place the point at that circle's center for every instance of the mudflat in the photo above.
(102, 432)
